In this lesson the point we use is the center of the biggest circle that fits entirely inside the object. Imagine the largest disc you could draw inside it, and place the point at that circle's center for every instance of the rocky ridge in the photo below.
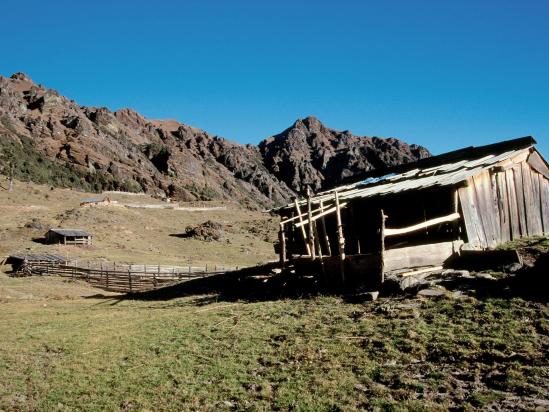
(51, 139)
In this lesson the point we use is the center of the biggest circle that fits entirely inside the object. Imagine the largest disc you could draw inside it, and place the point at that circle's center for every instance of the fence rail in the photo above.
(124, 278)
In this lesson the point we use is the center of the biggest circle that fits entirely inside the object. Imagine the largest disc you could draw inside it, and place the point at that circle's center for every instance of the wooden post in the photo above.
(382, 248)
(455, 223)
(130, 277)
(341, 238)
(282, 240)
(302, 227)
(311, 228)
(324, 231)
(317, 240)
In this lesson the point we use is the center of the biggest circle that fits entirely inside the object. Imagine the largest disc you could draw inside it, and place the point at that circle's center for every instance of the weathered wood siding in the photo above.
(507, 204)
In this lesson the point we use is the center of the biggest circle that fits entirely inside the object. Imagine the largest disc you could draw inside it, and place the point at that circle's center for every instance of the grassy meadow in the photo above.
(67, 346)
(132, 235)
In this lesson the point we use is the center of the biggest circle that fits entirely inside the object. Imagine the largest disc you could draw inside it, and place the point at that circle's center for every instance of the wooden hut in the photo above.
(420, 214)
(19, 261)
(68, 237)
(95, 201)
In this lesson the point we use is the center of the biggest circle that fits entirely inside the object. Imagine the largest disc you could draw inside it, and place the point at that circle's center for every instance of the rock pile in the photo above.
(207, 231)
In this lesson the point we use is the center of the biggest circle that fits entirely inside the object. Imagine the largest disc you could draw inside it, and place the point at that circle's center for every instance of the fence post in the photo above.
(130, 276)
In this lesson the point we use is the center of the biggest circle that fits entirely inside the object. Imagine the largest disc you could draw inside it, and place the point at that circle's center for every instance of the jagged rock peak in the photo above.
(21, 76)
(309, 153)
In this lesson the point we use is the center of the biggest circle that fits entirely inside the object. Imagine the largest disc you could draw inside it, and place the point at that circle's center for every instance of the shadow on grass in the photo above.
(181, 235)
(254, 284)
(261, 283)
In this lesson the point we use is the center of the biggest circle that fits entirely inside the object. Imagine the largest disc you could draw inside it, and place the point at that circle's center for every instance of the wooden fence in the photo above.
(124, 278)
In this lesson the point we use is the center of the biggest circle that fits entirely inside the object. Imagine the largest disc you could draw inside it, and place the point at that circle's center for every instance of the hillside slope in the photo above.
(51, 139)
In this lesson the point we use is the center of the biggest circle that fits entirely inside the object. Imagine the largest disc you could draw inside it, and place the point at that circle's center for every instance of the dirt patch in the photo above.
(70, 214)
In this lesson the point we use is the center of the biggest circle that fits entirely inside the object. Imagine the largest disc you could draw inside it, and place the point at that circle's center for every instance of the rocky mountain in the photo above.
(309, 153)
(51, 139)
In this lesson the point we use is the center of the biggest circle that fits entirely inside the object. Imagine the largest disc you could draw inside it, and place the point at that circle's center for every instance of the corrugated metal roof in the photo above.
(439, 171)
(444, 175)
(70, 232)
(34, 257)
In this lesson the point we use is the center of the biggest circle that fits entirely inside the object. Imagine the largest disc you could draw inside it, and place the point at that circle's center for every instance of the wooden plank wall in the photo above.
(544, 194)
(505, 205)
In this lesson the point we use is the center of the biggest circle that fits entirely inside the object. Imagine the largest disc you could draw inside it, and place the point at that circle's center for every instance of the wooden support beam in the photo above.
(321, 214)
(310, 221)
(324, 231)
(432, 222)
(282, 239)
(304, 235)
(321, 258)
(296, 217)
(340, 237)
(382, 248)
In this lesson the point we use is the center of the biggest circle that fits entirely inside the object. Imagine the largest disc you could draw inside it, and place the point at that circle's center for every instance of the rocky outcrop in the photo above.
(54, 140)
(308, 153)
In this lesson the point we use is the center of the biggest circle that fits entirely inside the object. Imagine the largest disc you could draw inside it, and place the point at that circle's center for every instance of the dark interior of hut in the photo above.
(361, 219)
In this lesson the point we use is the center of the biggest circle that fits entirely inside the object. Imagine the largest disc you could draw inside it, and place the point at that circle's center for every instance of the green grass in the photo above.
(306, 354)
(540, 242)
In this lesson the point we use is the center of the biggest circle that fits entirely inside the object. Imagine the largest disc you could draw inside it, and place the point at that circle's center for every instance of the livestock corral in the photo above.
(111, 277)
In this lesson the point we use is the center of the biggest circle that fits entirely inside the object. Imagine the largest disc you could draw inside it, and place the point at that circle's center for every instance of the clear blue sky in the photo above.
(443, 74)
